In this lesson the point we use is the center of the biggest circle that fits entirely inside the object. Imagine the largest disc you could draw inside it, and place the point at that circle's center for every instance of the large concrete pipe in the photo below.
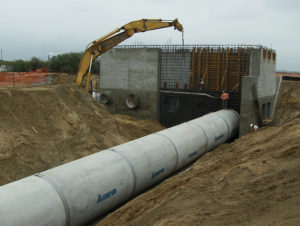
(77, 192)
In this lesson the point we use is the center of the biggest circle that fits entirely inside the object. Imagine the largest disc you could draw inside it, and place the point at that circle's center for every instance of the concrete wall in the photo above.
(247, 113)
(262, 75)
(131, 71)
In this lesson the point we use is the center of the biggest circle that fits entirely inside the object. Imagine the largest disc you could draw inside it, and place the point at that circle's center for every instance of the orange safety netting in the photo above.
(35, 77)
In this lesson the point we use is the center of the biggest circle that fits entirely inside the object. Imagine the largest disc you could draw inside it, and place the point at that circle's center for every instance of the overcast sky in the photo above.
(38, 27)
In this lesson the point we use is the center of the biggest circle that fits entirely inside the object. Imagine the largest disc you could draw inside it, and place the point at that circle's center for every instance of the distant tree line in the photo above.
(24, 66)
(64, 63)
(67, 63)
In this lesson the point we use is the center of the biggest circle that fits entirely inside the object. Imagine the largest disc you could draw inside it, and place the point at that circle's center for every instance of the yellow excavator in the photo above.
(105, 43)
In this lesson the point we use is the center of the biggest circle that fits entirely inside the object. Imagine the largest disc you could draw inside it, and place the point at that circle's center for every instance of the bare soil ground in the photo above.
(43, 127)
(252, 181)
(289, 101)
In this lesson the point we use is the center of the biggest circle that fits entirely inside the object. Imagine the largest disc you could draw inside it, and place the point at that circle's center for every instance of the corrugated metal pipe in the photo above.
(80, 191)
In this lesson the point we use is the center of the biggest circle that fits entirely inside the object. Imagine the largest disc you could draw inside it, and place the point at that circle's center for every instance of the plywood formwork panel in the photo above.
(218, 69)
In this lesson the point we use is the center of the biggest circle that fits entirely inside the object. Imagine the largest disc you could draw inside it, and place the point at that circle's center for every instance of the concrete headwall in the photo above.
(262, 69)
(247, 113)
(131, 71)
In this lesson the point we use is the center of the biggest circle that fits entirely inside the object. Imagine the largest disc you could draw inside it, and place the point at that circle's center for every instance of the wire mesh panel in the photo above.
(178, 107)
(174, 69)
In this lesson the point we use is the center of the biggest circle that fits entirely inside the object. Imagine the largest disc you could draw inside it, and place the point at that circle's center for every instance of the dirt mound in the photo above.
(62, 79)
(254, 180)
(43, 127)
(289, 101)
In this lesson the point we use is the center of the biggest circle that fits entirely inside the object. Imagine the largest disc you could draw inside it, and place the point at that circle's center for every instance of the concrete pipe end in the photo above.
(132, 101)
(104, 99)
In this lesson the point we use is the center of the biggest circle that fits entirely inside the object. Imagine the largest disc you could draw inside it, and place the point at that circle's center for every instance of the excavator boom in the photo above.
(105, 43)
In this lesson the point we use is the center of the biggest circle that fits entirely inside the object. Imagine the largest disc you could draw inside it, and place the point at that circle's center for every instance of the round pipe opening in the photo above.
(132, 101)
(104, 99)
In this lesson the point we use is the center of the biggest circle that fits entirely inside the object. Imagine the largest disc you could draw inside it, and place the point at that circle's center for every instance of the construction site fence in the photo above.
(32, 78)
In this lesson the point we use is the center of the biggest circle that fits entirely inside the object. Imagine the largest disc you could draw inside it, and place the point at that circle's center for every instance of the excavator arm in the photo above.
(105, 43)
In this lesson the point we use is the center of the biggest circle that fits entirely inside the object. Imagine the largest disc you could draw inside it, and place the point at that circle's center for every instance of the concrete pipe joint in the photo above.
(80, 191)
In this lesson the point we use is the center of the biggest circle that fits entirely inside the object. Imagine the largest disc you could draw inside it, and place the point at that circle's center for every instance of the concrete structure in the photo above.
(77, 192)
(258, 89)
(159, 74)
(131, 71)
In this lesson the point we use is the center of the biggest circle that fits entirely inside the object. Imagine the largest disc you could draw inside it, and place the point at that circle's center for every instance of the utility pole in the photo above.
(1, 55)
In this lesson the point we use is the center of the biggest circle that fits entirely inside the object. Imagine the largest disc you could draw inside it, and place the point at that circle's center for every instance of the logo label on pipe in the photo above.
(106, 195)
(192, 154)
(155, 174)
(219, 137)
